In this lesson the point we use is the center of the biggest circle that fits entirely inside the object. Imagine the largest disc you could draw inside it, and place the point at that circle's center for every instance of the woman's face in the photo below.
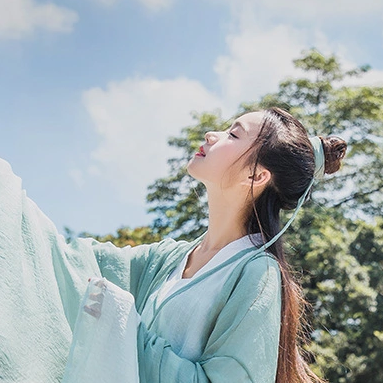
(217, 161)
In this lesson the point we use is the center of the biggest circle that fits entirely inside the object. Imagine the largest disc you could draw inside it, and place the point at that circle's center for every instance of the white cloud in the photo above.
(260, 52)
(256, 62)
(19, 18)
(373, 77)
(134, 118)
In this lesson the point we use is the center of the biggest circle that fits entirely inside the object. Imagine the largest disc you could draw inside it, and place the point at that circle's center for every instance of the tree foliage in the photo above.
(341, 267)
(127, 237)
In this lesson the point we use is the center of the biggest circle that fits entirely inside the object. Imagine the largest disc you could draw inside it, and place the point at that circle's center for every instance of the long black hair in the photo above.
(283, 148)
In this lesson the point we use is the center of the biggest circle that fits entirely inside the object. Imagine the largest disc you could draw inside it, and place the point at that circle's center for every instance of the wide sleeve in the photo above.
(42, 283)
(42, 279)
(243, 346)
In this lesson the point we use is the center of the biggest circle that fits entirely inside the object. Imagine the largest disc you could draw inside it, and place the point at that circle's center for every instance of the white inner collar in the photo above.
(221, 256)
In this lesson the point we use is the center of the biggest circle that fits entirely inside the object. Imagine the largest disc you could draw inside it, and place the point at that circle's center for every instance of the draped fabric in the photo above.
(40, 288)
(43, 280)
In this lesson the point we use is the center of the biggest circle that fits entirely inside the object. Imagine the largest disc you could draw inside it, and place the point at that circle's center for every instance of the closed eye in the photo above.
(232, 135)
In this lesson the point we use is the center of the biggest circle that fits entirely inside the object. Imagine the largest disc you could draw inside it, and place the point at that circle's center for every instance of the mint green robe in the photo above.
(43, 280)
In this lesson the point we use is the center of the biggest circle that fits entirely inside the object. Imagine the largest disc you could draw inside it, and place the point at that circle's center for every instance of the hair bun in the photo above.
(334, 151)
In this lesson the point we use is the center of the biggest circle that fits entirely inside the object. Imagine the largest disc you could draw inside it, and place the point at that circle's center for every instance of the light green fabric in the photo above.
(242, 344)
(43, 280)
(104, 347)
(319, 156)
(40, 286)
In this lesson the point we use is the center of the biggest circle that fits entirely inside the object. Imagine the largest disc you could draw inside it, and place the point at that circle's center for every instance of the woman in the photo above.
(223, 308)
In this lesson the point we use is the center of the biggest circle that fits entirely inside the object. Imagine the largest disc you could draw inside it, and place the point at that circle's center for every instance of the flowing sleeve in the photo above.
(42, 283)
(243, 346)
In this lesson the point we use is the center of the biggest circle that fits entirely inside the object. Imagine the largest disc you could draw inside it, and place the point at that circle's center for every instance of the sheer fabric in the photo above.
(104, 348)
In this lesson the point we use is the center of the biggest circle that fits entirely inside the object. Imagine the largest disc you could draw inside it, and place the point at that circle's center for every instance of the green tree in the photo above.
(341, 268)
(127, 236)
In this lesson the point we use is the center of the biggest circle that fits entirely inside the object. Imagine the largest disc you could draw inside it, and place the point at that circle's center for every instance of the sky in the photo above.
(91, 90)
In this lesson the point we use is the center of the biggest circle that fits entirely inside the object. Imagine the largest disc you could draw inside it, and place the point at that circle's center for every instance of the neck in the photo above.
(226, 220)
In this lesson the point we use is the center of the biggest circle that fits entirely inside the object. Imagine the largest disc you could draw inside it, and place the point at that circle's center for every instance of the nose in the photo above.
(211, 137)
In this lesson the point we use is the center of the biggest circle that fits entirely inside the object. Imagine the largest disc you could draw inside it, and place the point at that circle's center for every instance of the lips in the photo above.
(201, 151)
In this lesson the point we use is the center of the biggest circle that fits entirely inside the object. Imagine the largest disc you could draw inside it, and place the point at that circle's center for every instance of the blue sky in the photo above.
(90, 90)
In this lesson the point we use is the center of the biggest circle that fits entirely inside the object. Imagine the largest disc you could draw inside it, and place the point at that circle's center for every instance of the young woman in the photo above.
(222, 308)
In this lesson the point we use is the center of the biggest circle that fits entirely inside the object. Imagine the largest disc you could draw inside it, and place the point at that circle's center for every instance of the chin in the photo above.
(191, 170)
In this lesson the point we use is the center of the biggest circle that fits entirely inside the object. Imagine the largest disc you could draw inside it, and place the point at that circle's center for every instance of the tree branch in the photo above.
(357, 195)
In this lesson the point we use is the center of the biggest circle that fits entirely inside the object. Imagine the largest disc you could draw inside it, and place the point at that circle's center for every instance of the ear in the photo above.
(260, 178)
